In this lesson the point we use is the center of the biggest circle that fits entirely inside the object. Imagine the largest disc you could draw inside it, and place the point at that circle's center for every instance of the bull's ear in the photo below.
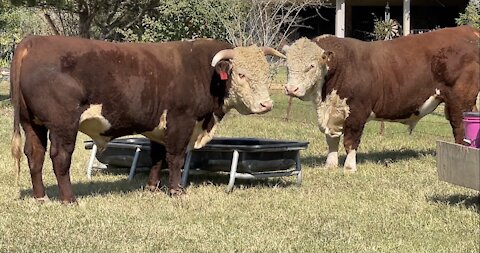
(327, 55)
(223, 69)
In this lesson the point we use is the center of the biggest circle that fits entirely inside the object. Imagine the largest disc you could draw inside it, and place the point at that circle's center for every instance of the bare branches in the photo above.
(50, 22)
(61, 22)
(264, 22)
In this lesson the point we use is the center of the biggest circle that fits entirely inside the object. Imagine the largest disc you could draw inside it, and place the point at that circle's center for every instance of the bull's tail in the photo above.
(15, 95)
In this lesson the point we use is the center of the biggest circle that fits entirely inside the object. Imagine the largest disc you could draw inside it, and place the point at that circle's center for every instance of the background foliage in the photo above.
(183, 19)
(15, 23)
(471, 16)
(385, 30)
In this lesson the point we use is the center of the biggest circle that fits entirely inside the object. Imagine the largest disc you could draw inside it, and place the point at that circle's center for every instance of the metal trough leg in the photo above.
(134, 164)
(233, 171)
(298, 168)
(186, 169)
(90, 162)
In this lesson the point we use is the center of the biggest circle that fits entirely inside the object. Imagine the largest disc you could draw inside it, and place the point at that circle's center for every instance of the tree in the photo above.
(16, 23)
(95, 18)
(264, 22)
(471, 16)
(182, 19)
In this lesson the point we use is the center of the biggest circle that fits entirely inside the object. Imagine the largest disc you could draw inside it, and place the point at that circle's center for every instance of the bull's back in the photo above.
(396, 77)
(125, 70)
(134, 83)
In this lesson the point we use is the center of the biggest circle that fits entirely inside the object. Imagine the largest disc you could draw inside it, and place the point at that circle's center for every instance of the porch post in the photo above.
(406, 17)
(340, 18)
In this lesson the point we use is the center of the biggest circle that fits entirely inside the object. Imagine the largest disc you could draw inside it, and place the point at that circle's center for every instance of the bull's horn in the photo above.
(222, 55)
(271, 51)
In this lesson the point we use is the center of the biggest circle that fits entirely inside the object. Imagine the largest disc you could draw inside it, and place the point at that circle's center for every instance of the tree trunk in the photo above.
(84, 23)
(51, 23)
(85, 18)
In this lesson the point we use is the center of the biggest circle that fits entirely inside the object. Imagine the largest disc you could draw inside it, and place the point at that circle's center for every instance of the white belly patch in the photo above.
(200, 137)
(93, 124)
(426, 108)
(158, 133)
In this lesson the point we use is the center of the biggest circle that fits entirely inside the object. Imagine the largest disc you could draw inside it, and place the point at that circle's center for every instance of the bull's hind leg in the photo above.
(157, 155)
(62, 146)
(35, 147)
(461, 99)
(332, 157)
(454, 114)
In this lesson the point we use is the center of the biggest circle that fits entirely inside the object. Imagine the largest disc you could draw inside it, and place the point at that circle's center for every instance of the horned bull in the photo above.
(173, 93)
(402, 80)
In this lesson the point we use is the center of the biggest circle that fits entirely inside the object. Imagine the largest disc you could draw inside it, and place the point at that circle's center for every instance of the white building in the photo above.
(352, 18)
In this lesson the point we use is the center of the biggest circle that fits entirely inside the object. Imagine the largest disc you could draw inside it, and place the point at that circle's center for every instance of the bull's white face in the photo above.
(250, 82)
(307, 67)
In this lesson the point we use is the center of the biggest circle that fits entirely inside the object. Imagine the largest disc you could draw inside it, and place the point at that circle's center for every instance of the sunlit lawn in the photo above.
(394, 203)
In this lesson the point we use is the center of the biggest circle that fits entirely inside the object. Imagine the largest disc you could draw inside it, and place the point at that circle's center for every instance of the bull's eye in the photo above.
(312, 66)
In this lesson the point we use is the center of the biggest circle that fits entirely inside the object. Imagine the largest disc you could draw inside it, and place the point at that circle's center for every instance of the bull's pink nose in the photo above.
(291, 90)
(267, 105)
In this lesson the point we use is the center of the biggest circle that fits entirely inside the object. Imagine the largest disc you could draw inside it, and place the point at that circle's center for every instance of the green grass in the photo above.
(394, 203)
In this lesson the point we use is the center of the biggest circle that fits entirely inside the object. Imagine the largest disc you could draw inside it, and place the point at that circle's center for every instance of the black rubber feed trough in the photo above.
(241, 157)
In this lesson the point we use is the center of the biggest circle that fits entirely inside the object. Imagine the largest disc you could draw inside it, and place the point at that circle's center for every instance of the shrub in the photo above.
(16, 23)
(471, 15)
(181, 19)
(385, 30)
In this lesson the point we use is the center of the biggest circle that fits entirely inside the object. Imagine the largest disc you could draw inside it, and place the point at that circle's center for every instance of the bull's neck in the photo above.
(321, 86)
(318, 87)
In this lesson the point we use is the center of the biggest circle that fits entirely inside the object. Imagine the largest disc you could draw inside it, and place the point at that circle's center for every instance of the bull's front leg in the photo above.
(351, 141)
(178, 134)
(332, 157)
(175, 163)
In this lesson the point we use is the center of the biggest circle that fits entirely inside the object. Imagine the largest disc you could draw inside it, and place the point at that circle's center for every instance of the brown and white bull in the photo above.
(402, 80)
(173, 93)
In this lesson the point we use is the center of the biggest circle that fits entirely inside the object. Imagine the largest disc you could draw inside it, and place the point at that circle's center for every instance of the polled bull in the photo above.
(402, 80)
(174, 93)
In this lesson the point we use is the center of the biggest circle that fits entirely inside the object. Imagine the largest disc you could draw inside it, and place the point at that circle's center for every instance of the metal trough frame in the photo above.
(137, 148)
(234, 174)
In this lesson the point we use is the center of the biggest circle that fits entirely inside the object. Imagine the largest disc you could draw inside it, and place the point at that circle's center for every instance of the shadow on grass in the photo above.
(384, 157)
(93, 188)
(122, 186)
(462, 200)
(221, 180)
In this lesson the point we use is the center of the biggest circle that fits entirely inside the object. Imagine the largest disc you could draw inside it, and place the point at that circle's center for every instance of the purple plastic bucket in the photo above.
(471, 123)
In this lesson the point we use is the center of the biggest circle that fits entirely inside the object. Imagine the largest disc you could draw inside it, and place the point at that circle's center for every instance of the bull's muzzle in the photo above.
(265, 106)
(291, 90)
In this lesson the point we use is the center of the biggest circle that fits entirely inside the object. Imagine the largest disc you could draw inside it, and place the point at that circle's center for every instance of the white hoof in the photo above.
(350, 162)
(43, 199)
(332, 161)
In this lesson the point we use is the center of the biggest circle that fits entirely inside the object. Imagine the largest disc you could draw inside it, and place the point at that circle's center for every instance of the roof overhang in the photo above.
(437, 3)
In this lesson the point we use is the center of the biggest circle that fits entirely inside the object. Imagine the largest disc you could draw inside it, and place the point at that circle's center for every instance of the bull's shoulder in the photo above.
(211, 43)
(341, 46)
